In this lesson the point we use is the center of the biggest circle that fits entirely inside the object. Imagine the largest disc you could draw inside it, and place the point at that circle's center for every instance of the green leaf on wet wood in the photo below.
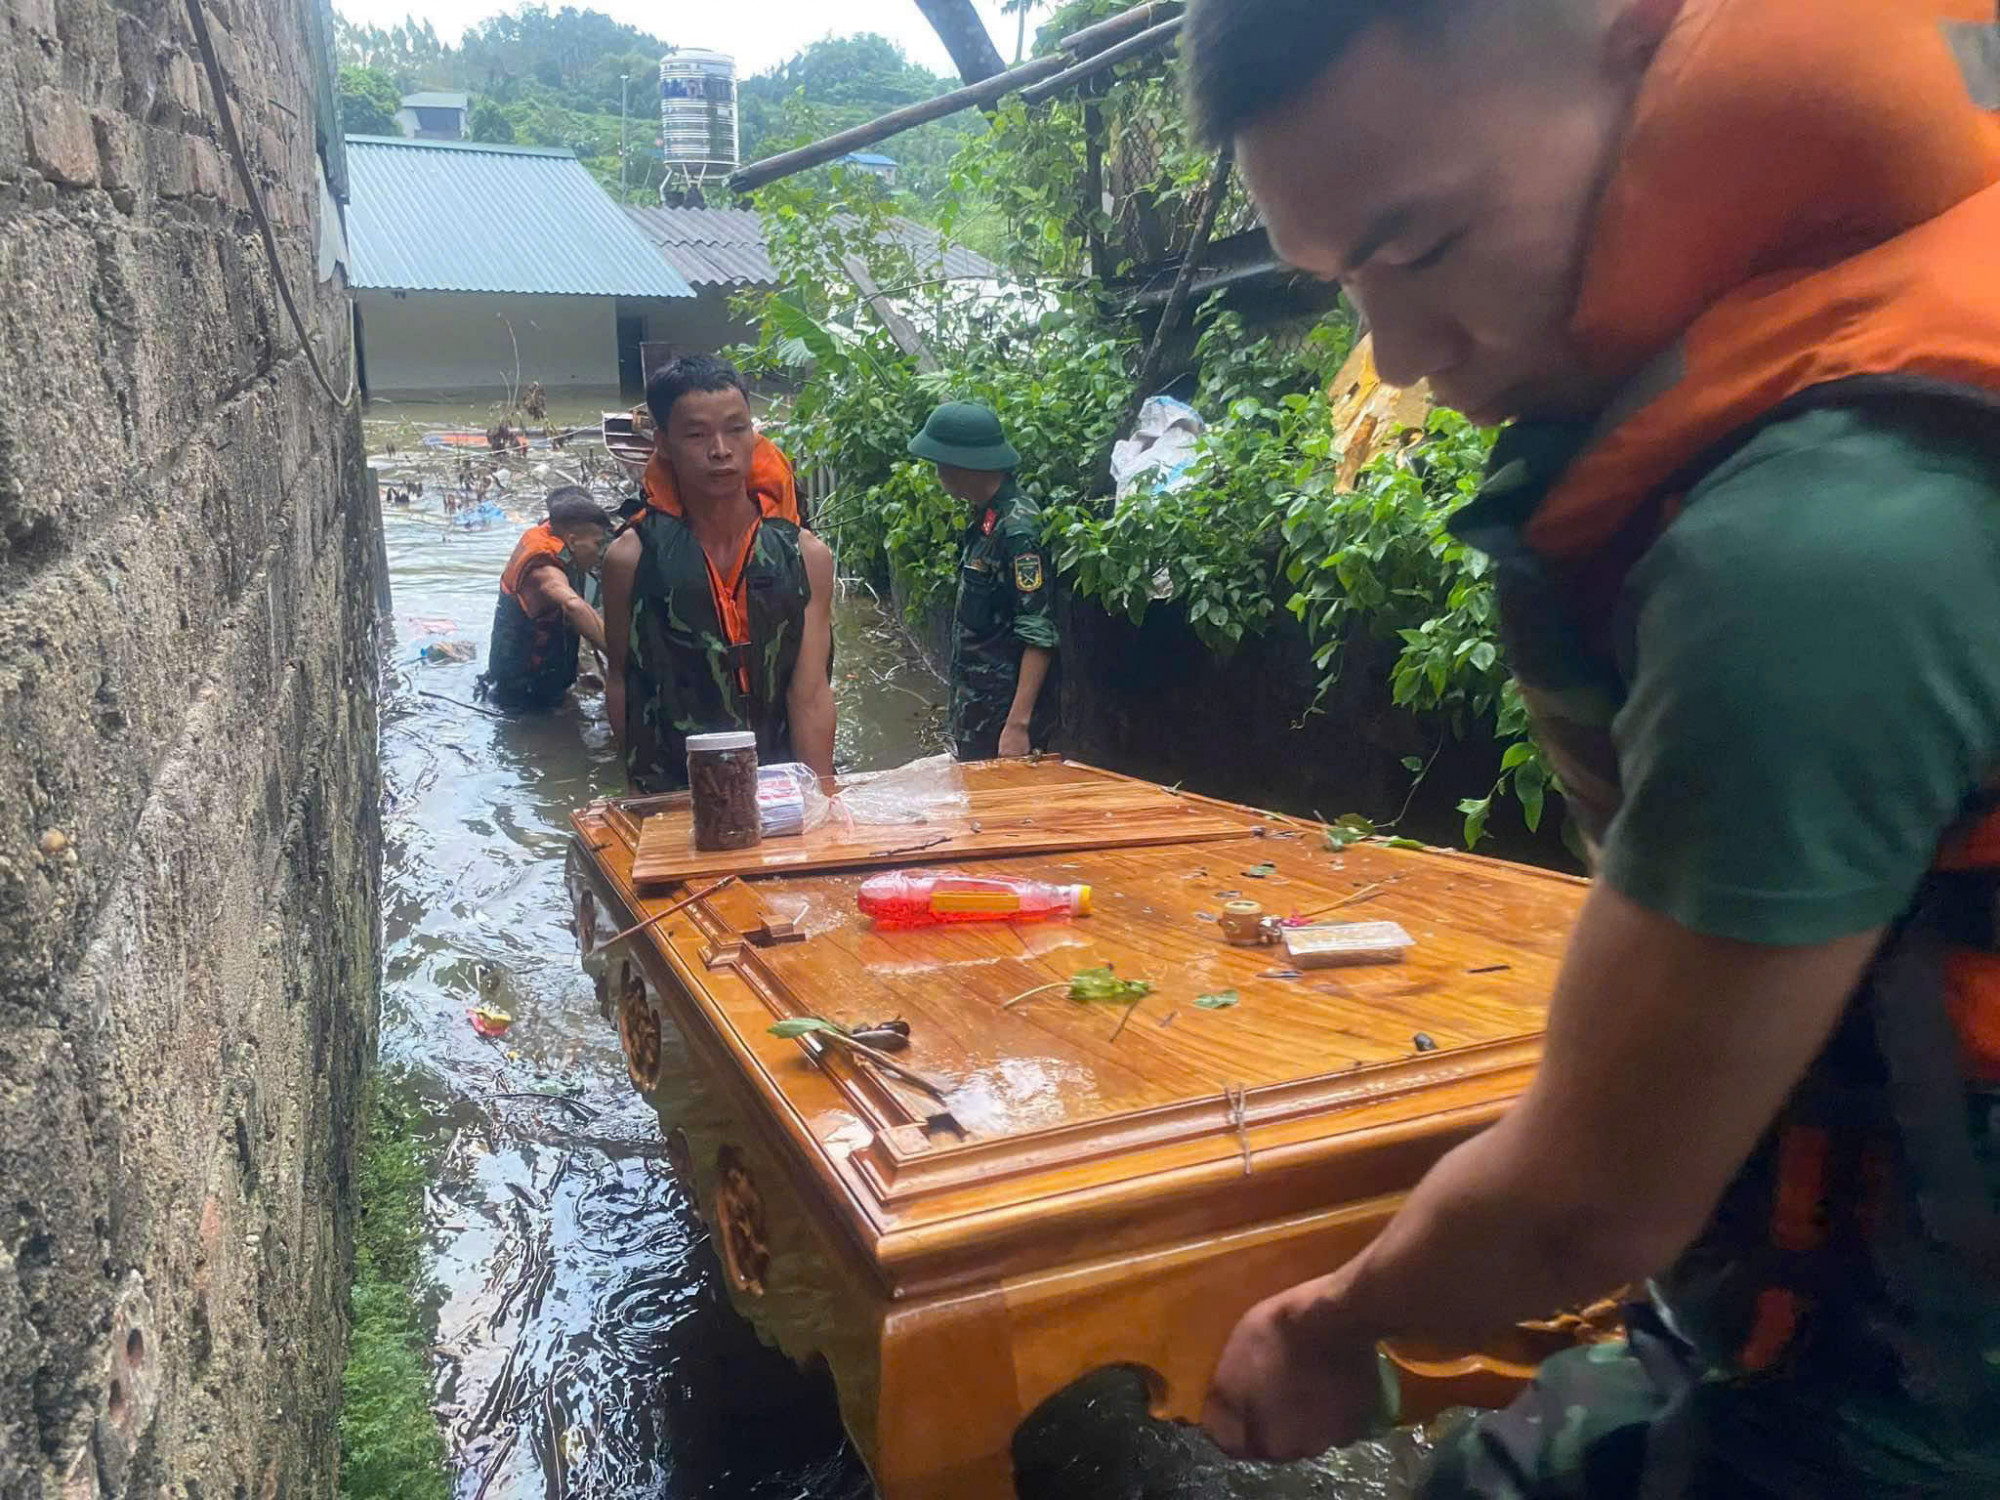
(1220, 1000)
(1350, 829)
(1260, 872)
(800, 1025)
(1100, 984)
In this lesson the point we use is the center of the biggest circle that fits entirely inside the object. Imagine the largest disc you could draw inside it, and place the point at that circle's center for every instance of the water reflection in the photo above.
(585, 1345)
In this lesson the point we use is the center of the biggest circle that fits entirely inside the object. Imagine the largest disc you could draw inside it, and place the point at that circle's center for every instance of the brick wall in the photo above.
(189, 852)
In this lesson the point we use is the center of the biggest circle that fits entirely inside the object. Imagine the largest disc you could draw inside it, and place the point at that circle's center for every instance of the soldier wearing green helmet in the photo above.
(1004, 631)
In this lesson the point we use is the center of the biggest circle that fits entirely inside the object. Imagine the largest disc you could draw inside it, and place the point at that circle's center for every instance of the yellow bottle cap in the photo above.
(1083, 901)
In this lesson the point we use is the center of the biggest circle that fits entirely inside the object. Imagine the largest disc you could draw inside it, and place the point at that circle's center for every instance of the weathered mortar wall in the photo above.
(189, 848)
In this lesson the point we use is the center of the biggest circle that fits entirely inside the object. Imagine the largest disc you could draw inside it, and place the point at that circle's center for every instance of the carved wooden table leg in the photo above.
(949, 1402)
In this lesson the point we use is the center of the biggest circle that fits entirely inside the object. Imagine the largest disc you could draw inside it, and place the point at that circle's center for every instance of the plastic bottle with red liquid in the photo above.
(922, 898)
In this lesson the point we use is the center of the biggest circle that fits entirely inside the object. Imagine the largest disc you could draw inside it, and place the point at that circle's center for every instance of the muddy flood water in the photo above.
(584, 1343)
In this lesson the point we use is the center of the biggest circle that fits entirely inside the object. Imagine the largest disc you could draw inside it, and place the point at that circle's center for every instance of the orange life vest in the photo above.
(772, 487)
(531, 659)
(770, 483)
(538, 545)
(1806, 210)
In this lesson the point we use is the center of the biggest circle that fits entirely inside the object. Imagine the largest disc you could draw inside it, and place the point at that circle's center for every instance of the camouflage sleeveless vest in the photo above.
(683, 675)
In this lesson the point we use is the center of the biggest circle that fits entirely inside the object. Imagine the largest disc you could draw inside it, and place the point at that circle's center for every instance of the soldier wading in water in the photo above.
(718, 604)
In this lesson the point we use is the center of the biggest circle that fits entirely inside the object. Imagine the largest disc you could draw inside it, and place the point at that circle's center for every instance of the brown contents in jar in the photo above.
(723, 784)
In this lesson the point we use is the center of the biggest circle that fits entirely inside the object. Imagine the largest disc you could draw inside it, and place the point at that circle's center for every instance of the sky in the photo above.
(758, 33)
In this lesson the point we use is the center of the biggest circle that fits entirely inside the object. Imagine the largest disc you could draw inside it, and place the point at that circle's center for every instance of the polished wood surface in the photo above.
(1009, 808)
(1093, 1187)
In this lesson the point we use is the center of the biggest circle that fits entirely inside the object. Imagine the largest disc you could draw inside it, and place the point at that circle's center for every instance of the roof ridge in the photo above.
(493, 148)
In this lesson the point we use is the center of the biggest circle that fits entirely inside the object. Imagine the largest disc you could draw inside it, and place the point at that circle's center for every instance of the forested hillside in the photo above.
(541, 77)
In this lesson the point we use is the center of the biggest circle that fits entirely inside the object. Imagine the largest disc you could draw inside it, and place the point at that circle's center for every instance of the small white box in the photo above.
(1347, 943)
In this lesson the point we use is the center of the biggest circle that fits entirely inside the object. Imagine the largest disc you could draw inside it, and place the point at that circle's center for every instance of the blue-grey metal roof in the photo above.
(435, 100)
(868, 159)
(725, 246)
(462, 216)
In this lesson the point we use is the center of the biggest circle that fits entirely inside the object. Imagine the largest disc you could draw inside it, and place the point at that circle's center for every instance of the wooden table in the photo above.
(1084, 1195)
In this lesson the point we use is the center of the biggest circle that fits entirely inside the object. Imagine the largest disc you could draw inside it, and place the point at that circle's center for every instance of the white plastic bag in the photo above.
(1156, 456)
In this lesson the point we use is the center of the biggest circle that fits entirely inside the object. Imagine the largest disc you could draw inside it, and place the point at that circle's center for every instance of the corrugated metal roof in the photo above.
(725, 246)
(450, 216)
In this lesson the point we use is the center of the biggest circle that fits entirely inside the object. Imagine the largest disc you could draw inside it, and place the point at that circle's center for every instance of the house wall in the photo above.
(190, 838)
(694, 325)
(460, 341)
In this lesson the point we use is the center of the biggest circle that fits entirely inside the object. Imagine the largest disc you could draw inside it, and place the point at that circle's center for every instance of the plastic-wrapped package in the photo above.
(789, 800)
(924, 791)
(1161, 449)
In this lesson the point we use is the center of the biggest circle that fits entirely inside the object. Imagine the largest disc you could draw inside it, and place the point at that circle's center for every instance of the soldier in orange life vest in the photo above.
(1733, 267)
(541, 618)
(718, 604)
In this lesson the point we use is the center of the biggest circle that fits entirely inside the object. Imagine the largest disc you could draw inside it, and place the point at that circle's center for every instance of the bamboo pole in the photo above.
(1170, 315)
(819, 153)
(1146, 41)
(1101, 34)
(1110, 33)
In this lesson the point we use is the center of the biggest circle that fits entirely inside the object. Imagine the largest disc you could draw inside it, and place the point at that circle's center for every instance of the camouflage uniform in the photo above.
(1005, 602)
(682, 674)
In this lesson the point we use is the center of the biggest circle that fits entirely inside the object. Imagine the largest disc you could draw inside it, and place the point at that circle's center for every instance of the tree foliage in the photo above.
(847, 81)
(1257, 530)
(368, 102)
(581, 81)
(490, 123)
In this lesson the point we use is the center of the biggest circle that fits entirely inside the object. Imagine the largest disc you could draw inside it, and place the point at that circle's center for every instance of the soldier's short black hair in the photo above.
(573, 506)
(691, 372)
(1246, 58)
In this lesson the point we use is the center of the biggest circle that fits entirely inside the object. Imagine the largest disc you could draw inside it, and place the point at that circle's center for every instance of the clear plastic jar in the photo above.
(722, 782)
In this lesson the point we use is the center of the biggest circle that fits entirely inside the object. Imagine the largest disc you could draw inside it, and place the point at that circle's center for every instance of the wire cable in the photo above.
(218, 85)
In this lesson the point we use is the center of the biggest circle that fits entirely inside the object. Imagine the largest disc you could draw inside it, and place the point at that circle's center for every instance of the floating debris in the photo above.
(489, 1022)
(1490, 969)
(1220, 1000)
(1423, 1042)
(1261, 872)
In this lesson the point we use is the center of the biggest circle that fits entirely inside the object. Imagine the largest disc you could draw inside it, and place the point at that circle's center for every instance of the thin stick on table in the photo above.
(639, 927)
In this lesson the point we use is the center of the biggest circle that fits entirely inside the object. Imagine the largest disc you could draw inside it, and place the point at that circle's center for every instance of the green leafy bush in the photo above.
(1258, 525)
(1379, 557)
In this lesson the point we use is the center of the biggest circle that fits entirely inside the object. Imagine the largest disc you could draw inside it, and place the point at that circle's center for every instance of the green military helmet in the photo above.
(966, 435)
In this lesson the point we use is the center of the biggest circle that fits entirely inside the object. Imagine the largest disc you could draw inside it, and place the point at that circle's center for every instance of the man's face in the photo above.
(709, 440)
(586, 545)
(1448, 182)
(973, 486)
